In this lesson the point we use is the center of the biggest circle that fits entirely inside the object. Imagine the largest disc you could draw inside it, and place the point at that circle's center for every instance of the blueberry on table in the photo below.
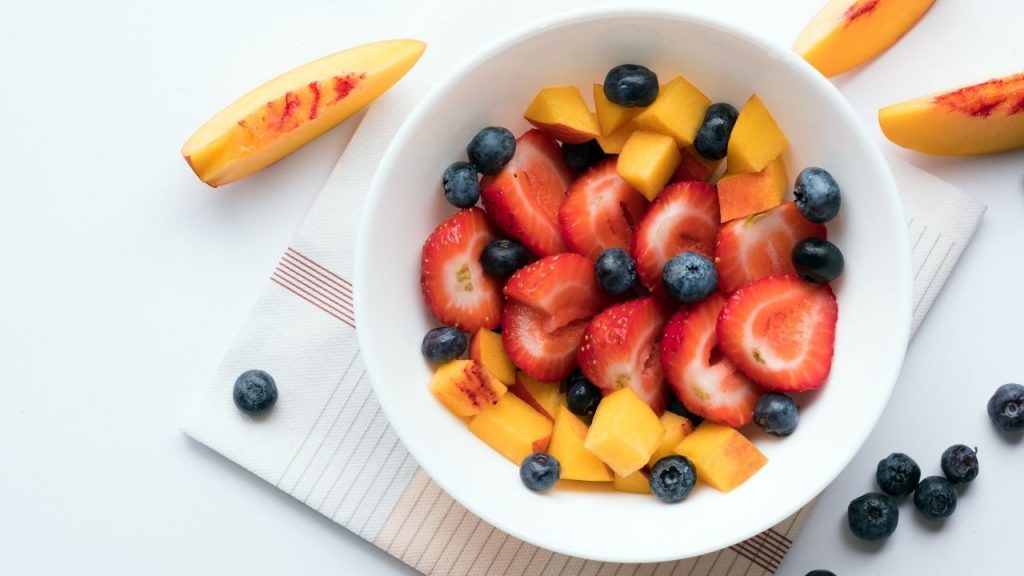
(581, 396)
(631, 85)
(1006, 408)
(816, 260)
(817, 195)
(461, 184)
(873, 516)
(897, 474)
(443, 344)
(491, 149)
(676, 406)
(776, 414)
(820, 573)
(255, 392)
(672, 478)
(615, 271)
(960, 463)
(539, 471)
(503, 256)
(712, 140)
(689, 277)
(935, 497)
(579, 157)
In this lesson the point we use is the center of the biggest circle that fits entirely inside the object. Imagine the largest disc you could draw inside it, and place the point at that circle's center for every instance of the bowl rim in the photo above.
(389, 161)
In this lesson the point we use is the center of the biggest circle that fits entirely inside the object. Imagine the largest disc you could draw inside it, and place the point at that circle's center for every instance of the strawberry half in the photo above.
(707, 383)
(760, 245)
(621, 347)
(683, 218)
(562, 288)
(601, 211)
(523, 198)
(781, 332)
(543, 355)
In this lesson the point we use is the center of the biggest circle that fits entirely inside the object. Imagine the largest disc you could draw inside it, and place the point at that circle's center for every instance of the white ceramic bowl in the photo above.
(405, 204)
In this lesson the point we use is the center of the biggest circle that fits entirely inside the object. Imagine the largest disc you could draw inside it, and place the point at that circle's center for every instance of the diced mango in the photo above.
(638, 482)
(561, 112)
(741, 195)
(486, 348)
(613, 143)
(723, 457)
(676, 428)
(647, 162)
(567, 447)
(611, 116)
(625, 432)
(678, 112)
(512, 428)
(465, 387)
(756, 139)
(544, 397)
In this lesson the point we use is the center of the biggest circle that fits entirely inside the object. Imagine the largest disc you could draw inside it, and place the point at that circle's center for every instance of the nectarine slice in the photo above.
(465, 388)
(741, 195)
(486, 348)
(512, 428)
(647, 161)
(678, 112)
(723, 457)
(561, 112)
(625, 432)
(567, 446)
(544, 397)
(756, 139)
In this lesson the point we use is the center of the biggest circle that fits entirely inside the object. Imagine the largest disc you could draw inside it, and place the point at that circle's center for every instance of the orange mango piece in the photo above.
(647, 161)
(723, 457)
(638, 482)
(561, 112)
(678, 112)
(625, 432)
(567, 447)
(544, 397)
(676, 428)
(486, 348)
(741, 195)
(756, 139)
(465, 387)
(611, 116)
(512, 428)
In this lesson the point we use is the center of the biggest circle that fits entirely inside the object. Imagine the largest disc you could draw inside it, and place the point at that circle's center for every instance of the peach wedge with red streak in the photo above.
(280, 116)
(984, 118)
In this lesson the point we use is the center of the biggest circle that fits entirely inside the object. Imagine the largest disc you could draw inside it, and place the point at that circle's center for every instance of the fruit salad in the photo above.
(634, 289)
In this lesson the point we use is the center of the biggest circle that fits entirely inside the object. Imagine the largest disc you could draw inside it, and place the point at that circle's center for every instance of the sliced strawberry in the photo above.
(621, 348)
(707, 383)
(690, 168)
(781, 332)
(760, 245)
(601, 211)
(453, 283)
(683, 218)
(523, 198)
(545, 356)
(562, 288)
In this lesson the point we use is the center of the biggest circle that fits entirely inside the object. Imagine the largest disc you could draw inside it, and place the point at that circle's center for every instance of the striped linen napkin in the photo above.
(329, 445)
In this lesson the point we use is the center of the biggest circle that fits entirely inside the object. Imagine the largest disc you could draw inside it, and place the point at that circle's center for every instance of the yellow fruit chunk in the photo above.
(278, 117)
(678, 112)
(512, 428)
(981, 119)
(723, 457)
(676, 428)
(465, 387)
(625, 432)
(486, 348)
(848, 33)
(638, 483)
(614, 142)
(567, 447)
(611, 116)
(741, 195)
(544, 397)
(561, 112)
(647, 161)
(756, 139)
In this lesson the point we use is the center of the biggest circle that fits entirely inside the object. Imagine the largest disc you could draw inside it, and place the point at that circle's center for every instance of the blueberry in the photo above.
(502, 257)
(672, 478)
(255, 392)
(817, 260)
(935, 497)
(676, 406)
(579, 157)
(461, 184)
(1006, 408)
(491, 149)
(443, 344)
(960, 463)
(539, 471)
(689, 277)
(581, 397)
(897, 474)
(873, 516)
(820, 573)
(631, 85)
(817, 195)
(776, 414)
(615, 271)
(712, 140)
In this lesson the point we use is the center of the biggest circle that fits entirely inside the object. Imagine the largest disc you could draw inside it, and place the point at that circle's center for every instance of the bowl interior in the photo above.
(405, 204)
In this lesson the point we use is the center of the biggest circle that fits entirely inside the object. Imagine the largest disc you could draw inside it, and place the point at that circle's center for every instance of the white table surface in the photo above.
(125, 279)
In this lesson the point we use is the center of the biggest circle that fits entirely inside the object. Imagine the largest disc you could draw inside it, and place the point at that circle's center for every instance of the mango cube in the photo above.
(544, 397)
(611, 116)
(512, 428)
(756, 139)
(638, 483)
(625, 432)
(614, 142)
(465, 387)
(561, 112)
(676, 428)
(741, 195)
(724, 458)
(647, 161)
(678, 112)
(567, 446)
(486, 348)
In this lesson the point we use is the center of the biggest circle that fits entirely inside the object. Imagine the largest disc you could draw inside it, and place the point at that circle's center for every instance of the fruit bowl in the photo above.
(405, 204)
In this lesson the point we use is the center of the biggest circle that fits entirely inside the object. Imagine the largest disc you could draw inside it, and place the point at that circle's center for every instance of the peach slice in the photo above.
(486, 348)
(647, 161)
(512, 428)
(723, 457)
(756, 139)
(567, 447)
(625, 432)
(465, 387)
(981, 119)
(561, 112)
(741, 195)
(611, 116)
(678, 112)
(544, 397)
(676, 428)
(638, 482)
(275, 119)
(848, 33)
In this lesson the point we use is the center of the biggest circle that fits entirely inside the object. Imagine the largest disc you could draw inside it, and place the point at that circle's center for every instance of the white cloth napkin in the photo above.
(327, 442)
